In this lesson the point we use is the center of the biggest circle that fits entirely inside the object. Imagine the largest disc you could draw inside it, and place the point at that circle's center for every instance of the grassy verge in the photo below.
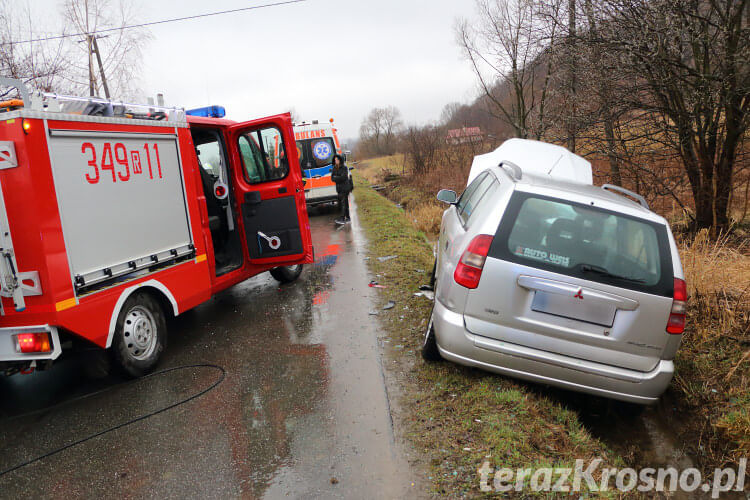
(712, 381)
(458, 418)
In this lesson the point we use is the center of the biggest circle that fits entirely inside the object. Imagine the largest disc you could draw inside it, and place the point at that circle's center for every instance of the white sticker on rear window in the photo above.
(542, 255)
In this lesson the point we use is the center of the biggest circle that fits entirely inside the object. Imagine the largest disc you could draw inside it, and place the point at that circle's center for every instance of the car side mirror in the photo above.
(447, 196)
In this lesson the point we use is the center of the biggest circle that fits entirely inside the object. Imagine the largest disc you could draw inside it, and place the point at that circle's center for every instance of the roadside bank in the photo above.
(455, 417)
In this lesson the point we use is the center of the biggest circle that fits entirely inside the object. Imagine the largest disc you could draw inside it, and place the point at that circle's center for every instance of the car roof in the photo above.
(582, 193)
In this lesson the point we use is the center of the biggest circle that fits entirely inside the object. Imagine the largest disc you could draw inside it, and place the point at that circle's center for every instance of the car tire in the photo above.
(286, 274)
(433, 276)
(430, 352)
(140, 335)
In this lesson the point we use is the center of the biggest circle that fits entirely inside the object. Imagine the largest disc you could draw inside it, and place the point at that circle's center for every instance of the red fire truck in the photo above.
(115, 216)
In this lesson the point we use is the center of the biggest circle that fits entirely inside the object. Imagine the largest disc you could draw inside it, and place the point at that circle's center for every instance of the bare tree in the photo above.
(118, 53)
(422, 145)
(450, 112)
(510, 48)
(379, 130)
(39, 64)
(687, 65)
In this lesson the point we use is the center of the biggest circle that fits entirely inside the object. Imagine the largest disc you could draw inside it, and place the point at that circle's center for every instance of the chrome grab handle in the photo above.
(274, 242)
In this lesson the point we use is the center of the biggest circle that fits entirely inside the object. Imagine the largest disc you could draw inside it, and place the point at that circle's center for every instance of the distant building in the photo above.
(464, 135)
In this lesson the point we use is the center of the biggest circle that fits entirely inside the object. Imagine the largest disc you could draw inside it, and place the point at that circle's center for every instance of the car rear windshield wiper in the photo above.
(589, 268)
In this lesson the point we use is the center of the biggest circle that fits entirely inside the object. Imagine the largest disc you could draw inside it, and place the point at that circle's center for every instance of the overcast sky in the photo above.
(324, 58)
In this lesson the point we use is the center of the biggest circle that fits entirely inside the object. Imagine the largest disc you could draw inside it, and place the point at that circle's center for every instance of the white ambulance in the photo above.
(317, 143)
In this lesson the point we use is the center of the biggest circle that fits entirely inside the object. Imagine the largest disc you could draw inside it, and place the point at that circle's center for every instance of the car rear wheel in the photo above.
(140, 335)
(430, 350)
(286, 274)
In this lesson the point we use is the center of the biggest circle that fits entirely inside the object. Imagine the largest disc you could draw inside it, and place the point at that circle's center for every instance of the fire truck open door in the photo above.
(270, 192)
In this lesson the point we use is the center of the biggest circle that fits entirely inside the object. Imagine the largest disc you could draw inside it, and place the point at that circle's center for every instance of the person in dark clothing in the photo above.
(340, 175)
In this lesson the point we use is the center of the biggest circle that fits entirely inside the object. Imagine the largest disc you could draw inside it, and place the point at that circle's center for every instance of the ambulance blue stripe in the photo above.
(312, 172)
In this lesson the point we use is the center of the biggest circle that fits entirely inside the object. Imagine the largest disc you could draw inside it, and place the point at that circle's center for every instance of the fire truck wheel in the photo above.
(141, 335)
(286, 274)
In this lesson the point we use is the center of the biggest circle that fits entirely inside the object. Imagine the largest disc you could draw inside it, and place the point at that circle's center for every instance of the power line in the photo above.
(152, 23)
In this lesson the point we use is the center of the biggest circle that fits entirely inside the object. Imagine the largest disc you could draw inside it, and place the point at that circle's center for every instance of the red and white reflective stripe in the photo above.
(676, 321)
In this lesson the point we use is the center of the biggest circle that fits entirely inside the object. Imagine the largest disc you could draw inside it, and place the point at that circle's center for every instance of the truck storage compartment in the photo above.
(121, 201)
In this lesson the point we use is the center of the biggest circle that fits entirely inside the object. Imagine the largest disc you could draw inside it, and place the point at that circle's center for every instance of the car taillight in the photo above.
(33, 342)
(676, 322)
(469, 268)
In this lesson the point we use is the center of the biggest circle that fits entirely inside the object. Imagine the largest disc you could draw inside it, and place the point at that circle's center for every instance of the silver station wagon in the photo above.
(543, 276)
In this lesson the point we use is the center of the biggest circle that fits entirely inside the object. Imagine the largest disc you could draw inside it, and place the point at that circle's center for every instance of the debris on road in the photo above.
(387, 258)
(373, 313)
(389, 305)
(375, 284)
(425, 287)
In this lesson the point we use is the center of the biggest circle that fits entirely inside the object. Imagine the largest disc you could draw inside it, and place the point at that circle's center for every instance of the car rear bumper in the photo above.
(459, 345)
(9, 354)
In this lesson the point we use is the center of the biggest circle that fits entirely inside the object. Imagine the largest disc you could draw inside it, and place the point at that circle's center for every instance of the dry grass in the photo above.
(718, 280)
(374, 169)
(713, 364)
(426, 218)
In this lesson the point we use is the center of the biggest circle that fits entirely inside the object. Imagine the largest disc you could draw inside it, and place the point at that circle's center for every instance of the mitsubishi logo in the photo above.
(579, 294)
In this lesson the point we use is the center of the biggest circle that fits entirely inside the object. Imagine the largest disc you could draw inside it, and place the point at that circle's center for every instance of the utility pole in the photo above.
(101, 66)
(89, 37)
(92, 47)
(92, 84)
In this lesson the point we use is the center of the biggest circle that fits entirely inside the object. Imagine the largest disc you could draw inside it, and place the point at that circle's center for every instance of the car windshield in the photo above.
(316, 153)
(587, 240)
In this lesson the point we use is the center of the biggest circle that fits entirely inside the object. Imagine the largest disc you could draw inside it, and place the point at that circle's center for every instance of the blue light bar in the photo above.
(208, 112)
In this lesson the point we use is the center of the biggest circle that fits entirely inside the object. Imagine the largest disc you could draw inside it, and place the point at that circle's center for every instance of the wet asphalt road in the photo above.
(302, 412)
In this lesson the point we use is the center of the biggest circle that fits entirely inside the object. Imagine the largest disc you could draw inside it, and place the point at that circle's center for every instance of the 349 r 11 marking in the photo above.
(119, 155)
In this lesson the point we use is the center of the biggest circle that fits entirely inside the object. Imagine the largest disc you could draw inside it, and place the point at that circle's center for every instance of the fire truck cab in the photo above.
(317, 143)
(114, 217)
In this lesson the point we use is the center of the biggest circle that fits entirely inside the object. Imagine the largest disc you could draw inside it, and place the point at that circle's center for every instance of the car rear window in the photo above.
(586, 242)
